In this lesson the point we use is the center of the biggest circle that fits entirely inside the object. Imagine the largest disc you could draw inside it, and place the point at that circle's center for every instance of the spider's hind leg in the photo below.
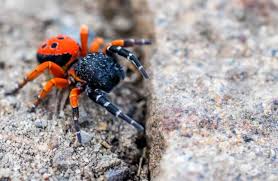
(100, 98)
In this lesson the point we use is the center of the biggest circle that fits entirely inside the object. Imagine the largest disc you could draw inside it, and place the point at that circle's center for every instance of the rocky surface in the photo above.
(213, 105)
(212, 99)
(37, 146)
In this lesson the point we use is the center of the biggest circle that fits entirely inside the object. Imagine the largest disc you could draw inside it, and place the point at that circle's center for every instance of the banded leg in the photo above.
(127, 43)
(133, 42)
(130, 56)
(74, 95)
(84, 33)
(99, 97)
(57, 82)
(95, 45)
(55, 69)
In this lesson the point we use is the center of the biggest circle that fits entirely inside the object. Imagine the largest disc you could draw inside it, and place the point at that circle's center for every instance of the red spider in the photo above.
(96, 72)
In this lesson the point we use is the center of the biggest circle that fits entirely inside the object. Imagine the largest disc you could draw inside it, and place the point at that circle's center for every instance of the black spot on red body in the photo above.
(54, 45)
(44, 45)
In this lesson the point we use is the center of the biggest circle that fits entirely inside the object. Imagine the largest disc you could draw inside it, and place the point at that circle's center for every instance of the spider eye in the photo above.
(43, 46)
(54, 45)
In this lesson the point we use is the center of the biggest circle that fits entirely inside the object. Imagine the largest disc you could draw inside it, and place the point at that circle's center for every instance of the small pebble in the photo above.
(247, 139)
(86, 137)
(274, 52)
(2, 65)
(117, 174)
(121, 23)
(102, 126)
(40, 123)
(105, 145)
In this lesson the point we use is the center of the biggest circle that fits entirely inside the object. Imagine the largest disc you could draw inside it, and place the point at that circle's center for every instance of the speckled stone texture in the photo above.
(213, 105)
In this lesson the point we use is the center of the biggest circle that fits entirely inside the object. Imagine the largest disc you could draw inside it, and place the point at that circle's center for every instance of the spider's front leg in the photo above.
(127, 43)
(55, 69)
(84, 33)
(100, 98)
(130, 56)
(96, 44)
(125, 53)
(55, 82)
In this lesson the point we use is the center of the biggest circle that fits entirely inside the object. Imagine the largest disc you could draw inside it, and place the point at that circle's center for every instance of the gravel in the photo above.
(40, 123)
(40, 145)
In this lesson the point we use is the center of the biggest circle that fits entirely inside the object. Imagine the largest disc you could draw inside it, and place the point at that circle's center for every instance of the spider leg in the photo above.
(130, 56)
(55, 69)
(84, 33)
(74, 95)
(57, 82)
(95, 45)
(133, 42)
(99, 97)
(127, 43)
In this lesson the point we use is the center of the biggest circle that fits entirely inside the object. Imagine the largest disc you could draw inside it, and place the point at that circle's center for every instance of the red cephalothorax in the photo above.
(61, 49)
(96, 72)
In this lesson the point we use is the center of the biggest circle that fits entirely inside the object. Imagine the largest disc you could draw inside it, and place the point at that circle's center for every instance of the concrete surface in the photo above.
(213, 105)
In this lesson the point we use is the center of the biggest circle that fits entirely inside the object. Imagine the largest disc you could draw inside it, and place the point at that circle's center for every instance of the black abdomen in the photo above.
(100, 71)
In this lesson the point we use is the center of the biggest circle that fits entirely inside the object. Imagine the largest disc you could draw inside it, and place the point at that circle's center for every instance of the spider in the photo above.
(95, 73)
